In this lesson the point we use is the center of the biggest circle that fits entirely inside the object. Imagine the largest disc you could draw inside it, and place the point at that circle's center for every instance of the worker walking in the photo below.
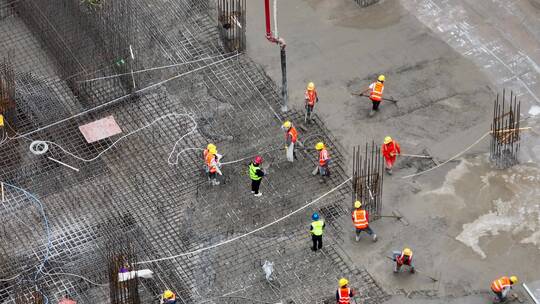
(375, 94)
(291, 136)
(168, 297)
(324, 159)
(316, 229)
(501, 287)
(212, 158)
(256, 174)
(311, 98)
(344, 292)
(390, 150)
(360, 218)
(405, 257)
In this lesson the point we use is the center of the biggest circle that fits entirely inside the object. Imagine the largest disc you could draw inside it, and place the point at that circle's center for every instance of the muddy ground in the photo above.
(445, 63)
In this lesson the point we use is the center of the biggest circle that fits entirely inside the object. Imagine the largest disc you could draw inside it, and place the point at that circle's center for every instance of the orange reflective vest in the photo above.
(377, 89)
(360, 220)
(323, 157)
(311, 97)
(344, 295)
(293, 134)
(401, 259)
(500, 284)
(391, 148)
(210, 160)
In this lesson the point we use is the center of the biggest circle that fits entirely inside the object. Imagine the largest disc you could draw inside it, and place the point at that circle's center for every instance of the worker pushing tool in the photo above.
(375, 94)
(311, 98)
(405, 257)
(212, 158)
(291, 137)
(344, 293)
(360, 218)
(390, 150)
(256, 174)
(168, 297)
(501, 287)
(324, 160)
(316, 229)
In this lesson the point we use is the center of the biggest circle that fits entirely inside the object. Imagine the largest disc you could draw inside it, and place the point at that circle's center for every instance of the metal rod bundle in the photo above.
(232, 24)
(367, 178)
(122, 258)
(505, 131)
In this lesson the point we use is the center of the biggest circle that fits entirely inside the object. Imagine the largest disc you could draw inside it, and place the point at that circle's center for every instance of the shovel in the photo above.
(385, 99)
(417, 271)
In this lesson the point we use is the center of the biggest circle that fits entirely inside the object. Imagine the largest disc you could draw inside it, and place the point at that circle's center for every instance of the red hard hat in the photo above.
(258, 160)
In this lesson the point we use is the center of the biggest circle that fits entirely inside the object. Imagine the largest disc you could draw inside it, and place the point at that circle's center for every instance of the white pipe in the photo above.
(275, 20)
(63, 164)
(3, 198)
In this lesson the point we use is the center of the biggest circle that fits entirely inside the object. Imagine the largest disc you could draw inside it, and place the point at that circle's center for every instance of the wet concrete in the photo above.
(468, 222)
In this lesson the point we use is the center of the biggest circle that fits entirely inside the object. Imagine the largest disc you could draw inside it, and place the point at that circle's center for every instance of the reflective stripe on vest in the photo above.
(344, 295)
(323, 157)
(376, 91)
(500, 284)
(317, 227)
(293, 133)
(311, 97)
(253, 172)
(359, 219)
(401, 259)
(211, 162)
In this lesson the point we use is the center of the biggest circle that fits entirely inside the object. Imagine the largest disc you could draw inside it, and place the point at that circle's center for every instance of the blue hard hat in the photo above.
(315, 216)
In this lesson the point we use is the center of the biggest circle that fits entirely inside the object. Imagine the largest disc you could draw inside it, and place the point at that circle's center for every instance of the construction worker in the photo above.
(360, 218)
(311, 98)
(501, 287)
(168, 297)
(291, 136)
(324, 159)
(212, 158)
(390, 150)
(256, 174)
(316, 229)
(403, 258)
(67, 300)
(375, 94)
(344, 293)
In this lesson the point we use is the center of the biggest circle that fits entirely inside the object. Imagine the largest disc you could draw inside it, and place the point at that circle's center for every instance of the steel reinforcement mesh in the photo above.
(148, 188)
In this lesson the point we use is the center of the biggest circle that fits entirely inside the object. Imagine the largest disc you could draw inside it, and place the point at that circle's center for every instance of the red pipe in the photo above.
(267, 14)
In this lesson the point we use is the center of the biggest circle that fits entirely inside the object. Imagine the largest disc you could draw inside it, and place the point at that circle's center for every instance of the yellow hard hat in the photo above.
(407, 252)
(319, 146)
(513, 279)
(287, 124)
(387, 140)
(381, 78)
(167, 294)
(357, 204)
(343, 282)
(311, 86)
(211, 147)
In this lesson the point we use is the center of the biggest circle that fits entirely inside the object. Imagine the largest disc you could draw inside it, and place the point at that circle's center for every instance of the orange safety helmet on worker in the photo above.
(376, 89)
(311, 94)
(503, 282)
(360, 217)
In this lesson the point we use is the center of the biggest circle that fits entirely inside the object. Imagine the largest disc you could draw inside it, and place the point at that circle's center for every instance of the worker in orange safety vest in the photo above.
(211, 159)
(291, 137)
(390, 150)
(324, 160)
(501, 287)
(344, 292)
(311, 98)
(360, 218)
(375, 94)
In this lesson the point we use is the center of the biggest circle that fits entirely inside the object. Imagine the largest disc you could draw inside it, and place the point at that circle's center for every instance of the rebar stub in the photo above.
(39, 147)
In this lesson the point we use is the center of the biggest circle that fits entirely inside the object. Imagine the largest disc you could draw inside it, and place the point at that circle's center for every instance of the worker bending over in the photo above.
(403, 258)
(168, 297)
(501, 287)
(360, 219)
(390, 150)
(344, 292)
(324, 159)
(316, 229)
(291, 136)
(256, 174)
(212, 158)
(375, 94)
(311, 98)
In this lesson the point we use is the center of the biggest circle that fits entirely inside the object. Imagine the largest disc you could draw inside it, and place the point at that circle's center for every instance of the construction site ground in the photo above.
(444, 62)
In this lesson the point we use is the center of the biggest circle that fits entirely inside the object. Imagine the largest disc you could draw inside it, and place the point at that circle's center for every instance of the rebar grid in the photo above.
(505, 136)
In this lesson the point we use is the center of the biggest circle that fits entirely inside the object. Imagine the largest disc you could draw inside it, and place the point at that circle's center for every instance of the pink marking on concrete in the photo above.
(100, 129)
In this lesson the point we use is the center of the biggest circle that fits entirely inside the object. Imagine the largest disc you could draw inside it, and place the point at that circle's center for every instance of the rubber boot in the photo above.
(374, 237)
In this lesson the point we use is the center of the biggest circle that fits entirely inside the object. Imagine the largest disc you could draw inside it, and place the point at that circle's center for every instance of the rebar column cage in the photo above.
(7, 93)
(232, 24)
(505, 135)
(366, 3)
(121, 258)
(367, 180)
